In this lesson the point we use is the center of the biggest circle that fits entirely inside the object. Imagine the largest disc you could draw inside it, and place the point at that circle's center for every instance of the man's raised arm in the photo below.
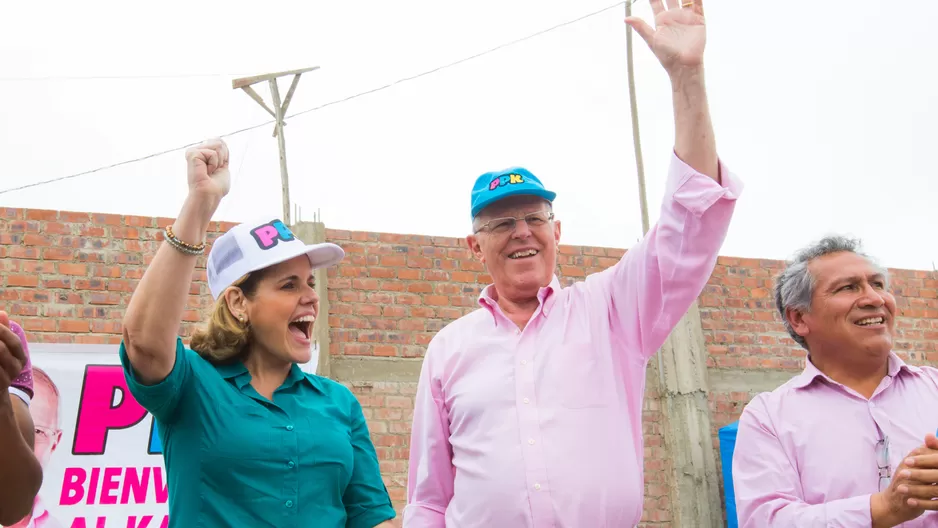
(658, 279)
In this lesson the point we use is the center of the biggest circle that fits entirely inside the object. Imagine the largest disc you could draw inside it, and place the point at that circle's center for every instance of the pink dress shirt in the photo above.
(41, 517)
(542, 427)
(806, 453)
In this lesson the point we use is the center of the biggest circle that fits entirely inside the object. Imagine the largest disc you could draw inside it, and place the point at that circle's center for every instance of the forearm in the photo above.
(841, 513)
(20, 472)
(694, 140)
(151, 323)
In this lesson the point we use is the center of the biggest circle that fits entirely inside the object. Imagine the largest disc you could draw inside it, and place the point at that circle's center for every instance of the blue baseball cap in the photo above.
(513, 181)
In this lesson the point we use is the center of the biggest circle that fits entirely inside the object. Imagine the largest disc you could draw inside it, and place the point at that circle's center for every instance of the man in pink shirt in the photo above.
(849, 442)
(20, 472)
(528, 410)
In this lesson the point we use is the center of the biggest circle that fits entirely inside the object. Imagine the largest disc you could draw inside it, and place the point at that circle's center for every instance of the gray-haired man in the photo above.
(849, 441)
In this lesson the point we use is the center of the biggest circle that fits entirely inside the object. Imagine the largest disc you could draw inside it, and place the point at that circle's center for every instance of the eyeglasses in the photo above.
(44, 434)
(501, 226)
(882, 462)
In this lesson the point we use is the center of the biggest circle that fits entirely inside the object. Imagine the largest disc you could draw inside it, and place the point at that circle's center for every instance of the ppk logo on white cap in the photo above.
(252, 246)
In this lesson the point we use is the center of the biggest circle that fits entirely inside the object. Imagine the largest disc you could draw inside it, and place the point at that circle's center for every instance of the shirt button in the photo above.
(531, 441)
(291, 463)
(527, 400)
(288, 504)
(289, 428)
(524, 362)
(537, 486)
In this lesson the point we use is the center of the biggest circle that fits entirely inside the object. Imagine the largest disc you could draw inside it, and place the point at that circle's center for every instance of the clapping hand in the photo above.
(913, 489)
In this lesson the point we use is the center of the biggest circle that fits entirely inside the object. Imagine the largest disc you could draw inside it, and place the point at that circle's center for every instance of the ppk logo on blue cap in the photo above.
(514, 181)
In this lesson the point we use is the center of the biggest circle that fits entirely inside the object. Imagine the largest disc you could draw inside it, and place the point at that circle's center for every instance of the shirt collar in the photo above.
(811, 373)
(488, 299)
(238, 372)
(39, 509)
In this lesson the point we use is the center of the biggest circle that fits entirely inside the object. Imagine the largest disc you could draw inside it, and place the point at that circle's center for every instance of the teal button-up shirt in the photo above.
(234, 458)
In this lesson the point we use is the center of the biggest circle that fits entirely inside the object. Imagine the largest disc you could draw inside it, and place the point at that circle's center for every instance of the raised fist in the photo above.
(12, 356)
(208, 169)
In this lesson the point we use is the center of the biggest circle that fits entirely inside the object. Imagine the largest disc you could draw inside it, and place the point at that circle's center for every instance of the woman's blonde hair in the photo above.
(224, 338)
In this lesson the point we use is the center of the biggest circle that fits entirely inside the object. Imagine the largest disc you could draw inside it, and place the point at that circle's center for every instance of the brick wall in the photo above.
(67, 276)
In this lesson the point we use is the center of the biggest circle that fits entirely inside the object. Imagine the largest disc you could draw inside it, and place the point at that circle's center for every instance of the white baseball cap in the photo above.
(256, 245)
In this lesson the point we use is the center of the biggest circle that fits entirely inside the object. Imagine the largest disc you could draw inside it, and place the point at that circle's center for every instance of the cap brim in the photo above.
(324, 255)
(320, 255)
(541, 193)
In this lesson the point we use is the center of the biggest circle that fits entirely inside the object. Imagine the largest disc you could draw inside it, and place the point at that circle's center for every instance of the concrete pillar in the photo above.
(682, 370)
(315, 233)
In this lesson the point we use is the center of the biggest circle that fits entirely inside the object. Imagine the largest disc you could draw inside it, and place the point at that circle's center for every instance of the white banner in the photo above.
(101, 455)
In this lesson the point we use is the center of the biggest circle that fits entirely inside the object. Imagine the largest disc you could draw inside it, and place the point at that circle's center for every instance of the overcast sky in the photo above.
(826, 110)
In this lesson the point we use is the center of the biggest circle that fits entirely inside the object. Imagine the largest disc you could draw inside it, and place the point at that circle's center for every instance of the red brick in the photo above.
(74, 326)
(72, 269)
(420, 287)
(30, 281)
(32, 239)
(408, 274)
(58, 254)
(436, 300)
(36, 214)
(385, 350)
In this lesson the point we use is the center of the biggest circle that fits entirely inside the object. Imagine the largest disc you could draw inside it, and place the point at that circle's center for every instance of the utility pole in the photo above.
(633, 104)
(280, 109)
(682, 378)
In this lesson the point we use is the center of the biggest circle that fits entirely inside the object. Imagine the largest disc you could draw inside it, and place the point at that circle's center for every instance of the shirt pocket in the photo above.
(246, 432)
(239, 455)
(581, 379)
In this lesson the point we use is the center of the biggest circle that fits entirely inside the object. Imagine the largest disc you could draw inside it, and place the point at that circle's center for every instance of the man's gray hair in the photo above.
(794, 287)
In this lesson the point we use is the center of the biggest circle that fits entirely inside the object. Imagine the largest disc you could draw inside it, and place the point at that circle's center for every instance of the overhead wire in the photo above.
(43, 78)
(325, 105)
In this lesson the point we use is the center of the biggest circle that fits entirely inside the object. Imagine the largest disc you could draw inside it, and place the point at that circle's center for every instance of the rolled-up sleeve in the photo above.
(161, 399)
(768, 488)
(366, 499)
(656, 281)
(431, 475)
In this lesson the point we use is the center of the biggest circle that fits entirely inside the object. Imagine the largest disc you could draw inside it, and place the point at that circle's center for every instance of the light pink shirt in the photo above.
(41, 517)
(806, 453)
(542, 427)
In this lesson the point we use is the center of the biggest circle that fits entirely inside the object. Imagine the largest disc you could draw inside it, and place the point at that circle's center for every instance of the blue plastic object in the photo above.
(727, 437)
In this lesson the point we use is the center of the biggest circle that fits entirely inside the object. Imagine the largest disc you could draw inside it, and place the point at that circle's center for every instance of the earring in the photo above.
(241, 318)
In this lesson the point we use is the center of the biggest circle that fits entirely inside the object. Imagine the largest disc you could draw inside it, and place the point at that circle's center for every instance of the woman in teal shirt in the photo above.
(248, 438)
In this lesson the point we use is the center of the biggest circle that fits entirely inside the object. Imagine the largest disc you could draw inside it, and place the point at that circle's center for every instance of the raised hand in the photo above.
(208, 169)
(12, 356)
(679, 35)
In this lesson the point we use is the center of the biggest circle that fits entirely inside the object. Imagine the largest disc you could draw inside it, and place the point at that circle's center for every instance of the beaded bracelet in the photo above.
(188, 249)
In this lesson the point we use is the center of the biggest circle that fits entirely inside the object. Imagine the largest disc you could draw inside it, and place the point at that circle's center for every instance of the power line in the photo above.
(331, 103)
(117, 77)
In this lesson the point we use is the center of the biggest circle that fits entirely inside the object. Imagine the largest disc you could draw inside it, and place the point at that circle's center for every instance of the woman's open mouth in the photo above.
(302, 328)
